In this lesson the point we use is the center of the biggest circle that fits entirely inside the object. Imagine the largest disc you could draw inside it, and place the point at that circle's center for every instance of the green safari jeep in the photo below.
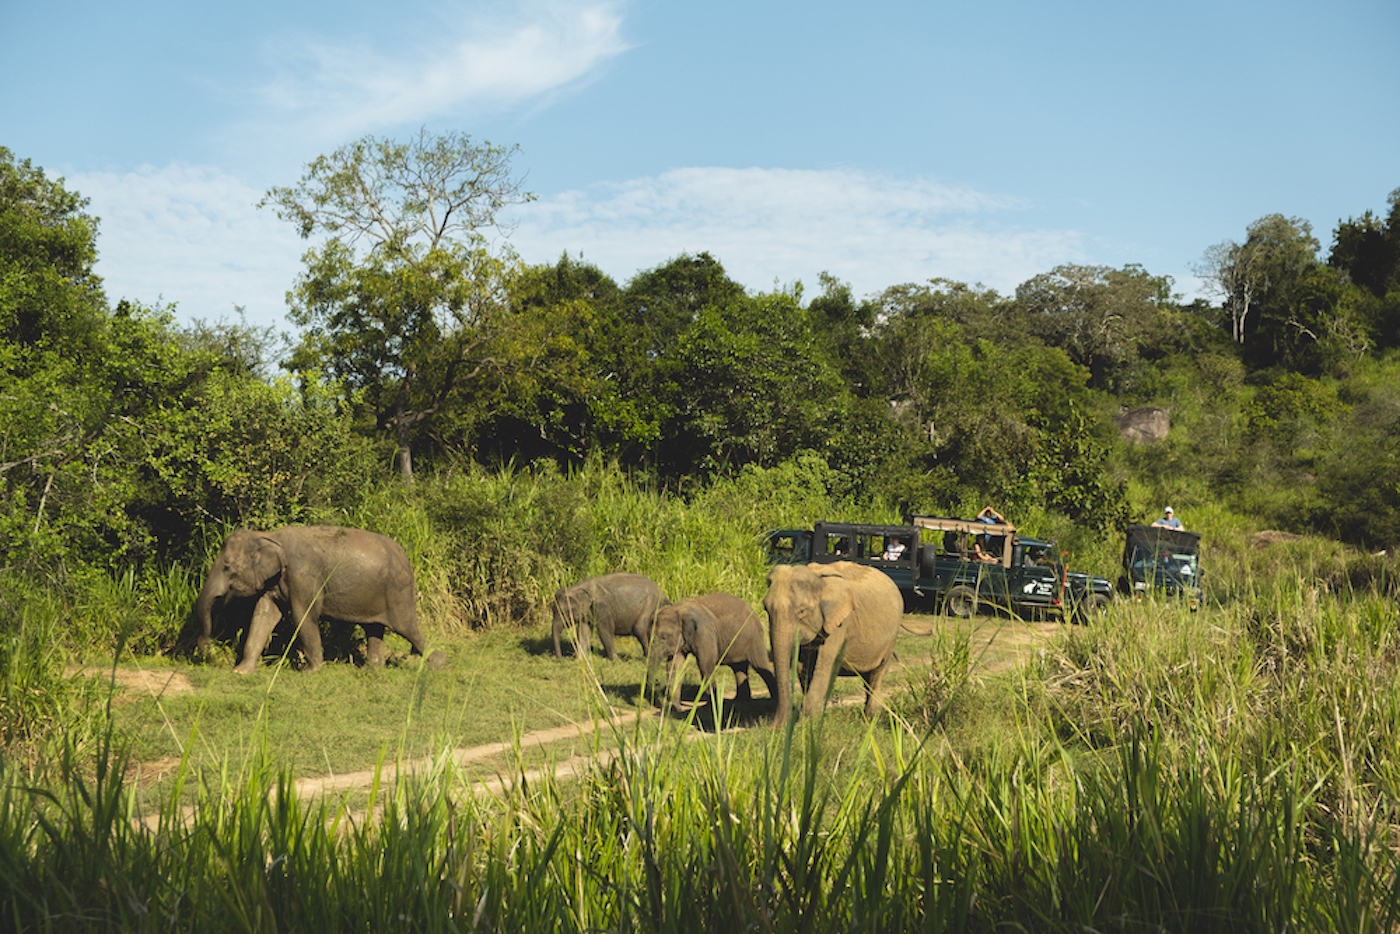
(935, 561)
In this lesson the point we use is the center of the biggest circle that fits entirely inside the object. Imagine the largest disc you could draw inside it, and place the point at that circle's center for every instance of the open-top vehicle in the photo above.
(955, 564)
(1162, 560)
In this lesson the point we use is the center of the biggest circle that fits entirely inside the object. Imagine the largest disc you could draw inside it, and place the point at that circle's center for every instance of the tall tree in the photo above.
(664, 301)
(846, 325)
(1367, 249)
(585, 387)
(749, 382)
(1251, 275)
(1096, 314)
(403, 299)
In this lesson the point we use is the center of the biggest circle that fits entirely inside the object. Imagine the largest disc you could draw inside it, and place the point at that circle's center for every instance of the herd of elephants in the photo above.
(838, 614)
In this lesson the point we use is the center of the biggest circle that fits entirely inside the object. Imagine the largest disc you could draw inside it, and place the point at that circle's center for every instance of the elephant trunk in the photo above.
(783, 656)
(204, 606)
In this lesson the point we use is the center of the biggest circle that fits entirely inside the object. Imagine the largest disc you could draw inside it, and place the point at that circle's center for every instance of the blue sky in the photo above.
(885, 143)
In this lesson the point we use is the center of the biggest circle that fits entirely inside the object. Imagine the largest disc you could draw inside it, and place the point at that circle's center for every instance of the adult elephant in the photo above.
(828, 613)
(349, 575)
(618, 604)
(717, 629)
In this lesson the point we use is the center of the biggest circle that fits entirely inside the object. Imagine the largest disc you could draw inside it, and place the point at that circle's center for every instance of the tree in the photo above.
(846, 325)
(1367, 250)
(1096, 314)
(974, 308)
(664, 301)
(1251, 275)
(413, 314)
(586, 385)
(749, 382)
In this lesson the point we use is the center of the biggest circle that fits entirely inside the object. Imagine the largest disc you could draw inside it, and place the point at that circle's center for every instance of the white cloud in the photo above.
(191, 236)
(768, 225)
(332, 92)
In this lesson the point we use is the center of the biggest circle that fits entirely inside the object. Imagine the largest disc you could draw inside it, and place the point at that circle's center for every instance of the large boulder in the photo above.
(1146, 425)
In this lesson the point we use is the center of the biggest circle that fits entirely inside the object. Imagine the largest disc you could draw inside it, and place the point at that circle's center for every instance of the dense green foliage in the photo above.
(126, 439)
(557, 423)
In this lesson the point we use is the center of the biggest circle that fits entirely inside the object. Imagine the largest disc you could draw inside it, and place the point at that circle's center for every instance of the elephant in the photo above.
(349, 575)
(833, 612)
(718, 629)
(616, 604)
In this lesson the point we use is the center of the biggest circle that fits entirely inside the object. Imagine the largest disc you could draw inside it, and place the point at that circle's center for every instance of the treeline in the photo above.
(127, 438)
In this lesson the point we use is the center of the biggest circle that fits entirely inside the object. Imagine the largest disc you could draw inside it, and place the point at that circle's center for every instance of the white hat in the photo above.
(1169, 509)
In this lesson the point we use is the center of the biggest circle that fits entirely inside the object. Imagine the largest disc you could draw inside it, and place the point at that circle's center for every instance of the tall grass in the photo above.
(678, 837)
(1229, 770)
(1167, 772)
(39, 702)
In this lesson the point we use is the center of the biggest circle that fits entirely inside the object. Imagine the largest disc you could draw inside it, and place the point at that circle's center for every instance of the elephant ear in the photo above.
(697, 629)
(837, 603)
(700, 637)
(269, 560)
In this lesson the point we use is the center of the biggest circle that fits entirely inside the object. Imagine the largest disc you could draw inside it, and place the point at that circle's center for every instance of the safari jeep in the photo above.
(1160, 560)
(930, 559)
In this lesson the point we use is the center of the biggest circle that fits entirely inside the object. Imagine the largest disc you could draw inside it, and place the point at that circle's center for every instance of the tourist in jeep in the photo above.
(1168, 520)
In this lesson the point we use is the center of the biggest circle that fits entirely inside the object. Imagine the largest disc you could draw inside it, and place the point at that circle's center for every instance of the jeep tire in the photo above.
(962, 601)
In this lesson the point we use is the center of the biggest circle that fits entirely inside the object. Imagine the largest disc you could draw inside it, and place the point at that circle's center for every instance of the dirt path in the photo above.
(996, 645)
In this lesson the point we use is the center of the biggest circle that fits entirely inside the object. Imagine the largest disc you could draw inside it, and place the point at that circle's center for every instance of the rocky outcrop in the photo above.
(1146, 425)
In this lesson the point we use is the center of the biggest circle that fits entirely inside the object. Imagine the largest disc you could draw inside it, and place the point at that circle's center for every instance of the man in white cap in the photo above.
(1168, 521)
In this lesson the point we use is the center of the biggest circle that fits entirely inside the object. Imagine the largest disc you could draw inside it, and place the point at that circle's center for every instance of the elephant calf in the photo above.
(842, 611)
(349, 575)
(616, 604)
(718, 629)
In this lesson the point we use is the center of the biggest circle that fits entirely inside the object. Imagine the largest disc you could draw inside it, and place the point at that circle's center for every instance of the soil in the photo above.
(996, 644)
(140, 681)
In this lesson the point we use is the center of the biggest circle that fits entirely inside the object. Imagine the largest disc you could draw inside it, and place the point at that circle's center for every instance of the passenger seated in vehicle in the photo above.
(953, 546)
(894, 549)
(979, 555)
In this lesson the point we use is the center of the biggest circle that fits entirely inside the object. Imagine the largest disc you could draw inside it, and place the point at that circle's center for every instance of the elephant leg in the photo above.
(410, 631)
(307, 619)
(374, 644)
(742, 691)
(768, 679)
(709, 684)
(266, 615)
(403, 619)
(814, 698)
(806, 665)
(605, 635)
(872, 689)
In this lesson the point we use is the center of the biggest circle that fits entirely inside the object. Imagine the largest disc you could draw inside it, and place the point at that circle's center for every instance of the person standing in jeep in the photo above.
(1168, 520)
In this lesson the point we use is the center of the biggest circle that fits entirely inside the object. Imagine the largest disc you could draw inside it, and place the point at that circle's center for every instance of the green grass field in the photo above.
(1226, 770)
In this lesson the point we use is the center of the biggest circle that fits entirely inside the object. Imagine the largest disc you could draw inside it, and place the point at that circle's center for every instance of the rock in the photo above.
(1146, 425)
(1272, 537)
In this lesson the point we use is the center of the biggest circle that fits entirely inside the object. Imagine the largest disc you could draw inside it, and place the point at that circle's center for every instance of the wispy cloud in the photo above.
(768, 225)
(460, 62)
(191, 236)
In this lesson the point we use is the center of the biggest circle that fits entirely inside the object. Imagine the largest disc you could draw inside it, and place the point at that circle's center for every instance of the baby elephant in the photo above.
(718, 629)
(616, 604)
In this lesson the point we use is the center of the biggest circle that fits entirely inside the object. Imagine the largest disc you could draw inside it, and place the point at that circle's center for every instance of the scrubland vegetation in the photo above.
(518, 427)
